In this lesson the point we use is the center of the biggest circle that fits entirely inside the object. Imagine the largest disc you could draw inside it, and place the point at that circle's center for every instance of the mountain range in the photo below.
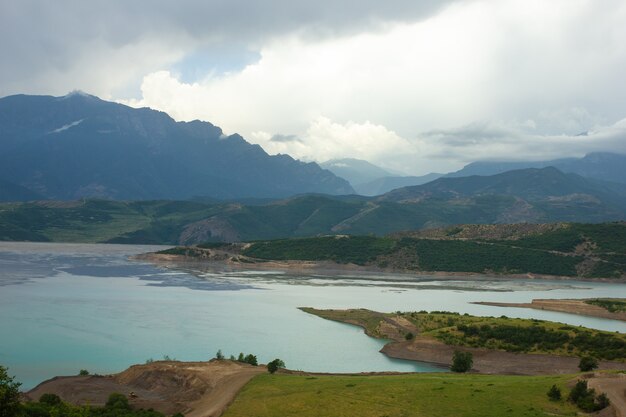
(79, 146)
(521, 196)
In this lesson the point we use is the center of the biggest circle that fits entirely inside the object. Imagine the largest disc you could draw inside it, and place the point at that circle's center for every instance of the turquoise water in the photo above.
(69, 307)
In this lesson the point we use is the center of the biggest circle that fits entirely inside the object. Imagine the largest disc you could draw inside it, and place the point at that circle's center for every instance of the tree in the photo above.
(9, 394)
(50, 399)
(219, 355)
(554, 393)
(83, 372)
(251, 359)
(587, 363)
(409, 336)
(462, 361)
(275, 365)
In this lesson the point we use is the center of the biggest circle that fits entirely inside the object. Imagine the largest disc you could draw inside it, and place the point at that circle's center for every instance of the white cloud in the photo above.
(369, 94)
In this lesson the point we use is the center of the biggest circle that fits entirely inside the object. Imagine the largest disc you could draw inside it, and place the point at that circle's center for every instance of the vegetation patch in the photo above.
(433, 395)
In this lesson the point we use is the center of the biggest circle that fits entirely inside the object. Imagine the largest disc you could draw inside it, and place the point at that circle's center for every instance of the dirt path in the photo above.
(223, 394)
(197, 389)
(564, 306)
(614, 386)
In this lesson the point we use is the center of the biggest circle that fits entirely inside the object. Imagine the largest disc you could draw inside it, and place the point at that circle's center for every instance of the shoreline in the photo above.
(563, 305)
(223, 260)
(486, 361)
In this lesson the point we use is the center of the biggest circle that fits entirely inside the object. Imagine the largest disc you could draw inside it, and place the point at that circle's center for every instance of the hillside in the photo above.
(78, 146)
(572, 250)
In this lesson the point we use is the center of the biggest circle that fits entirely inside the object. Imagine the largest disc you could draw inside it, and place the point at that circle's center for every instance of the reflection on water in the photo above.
(71, 307)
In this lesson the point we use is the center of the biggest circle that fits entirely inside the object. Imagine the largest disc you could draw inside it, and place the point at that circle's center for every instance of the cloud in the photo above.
(412, 86)
(105, 47)
(502, 142)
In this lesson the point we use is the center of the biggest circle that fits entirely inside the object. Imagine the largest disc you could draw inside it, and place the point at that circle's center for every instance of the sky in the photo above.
(412, 86)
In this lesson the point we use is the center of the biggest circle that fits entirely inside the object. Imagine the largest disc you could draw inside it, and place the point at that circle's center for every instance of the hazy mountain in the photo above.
(600, 165)
(80, 146)
(356, 171)
(383, 185)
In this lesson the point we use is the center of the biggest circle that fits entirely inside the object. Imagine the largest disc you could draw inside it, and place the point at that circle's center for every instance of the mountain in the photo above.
(533, 194)
(523, 196)
(79, 146)
(383, 185)
(356, 171)
(600, 165)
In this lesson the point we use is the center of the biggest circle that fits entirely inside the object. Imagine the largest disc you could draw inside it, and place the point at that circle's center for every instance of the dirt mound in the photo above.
(197, 389)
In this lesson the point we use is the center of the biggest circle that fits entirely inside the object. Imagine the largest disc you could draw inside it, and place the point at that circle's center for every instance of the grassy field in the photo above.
(423, 395)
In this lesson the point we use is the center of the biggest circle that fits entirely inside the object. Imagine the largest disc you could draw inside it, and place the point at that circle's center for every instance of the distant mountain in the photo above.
(356, 171)
(600, 165)
(534, 194)
(78, 146)
(383, 185)
(523, 196)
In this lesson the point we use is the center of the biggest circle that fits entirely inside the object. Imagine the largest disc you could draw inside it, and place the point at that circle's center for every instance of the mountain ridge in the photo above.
(80, 146)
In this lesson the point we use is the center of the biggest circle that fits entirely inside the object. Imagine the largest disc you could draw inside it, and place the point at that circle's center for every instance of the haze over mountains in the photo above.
(79, 146)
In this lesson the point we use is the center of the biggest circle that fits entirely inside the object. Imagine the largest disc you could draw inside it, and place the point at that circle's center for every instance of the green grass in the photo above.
(423, 395)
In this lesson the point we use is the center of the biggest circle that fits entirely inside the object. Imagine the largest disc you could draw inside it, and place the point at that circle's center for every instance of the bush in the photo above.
(587, 363)
(462, 361)
(219, 355)
(117, 401)
(275, 365)
(9, 394)
(554, 393)
(83, 372)
(586, 399)
(50, 399)
(409, 336)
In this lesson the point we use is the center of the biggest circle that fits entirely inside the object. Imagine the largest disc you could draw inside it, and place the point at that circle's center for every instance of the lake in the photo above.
(66, 307)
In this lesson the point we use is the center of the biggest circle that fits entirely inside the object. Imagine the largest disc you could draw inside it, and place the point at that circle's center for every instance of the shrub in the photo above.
(50, 399)
(587, 363)
(586, 399)
(251, 359)
(275, 365)
(462, 361)
(83, 372)
(409, 336)
(117, 401)
(9, 394)
(554, 393)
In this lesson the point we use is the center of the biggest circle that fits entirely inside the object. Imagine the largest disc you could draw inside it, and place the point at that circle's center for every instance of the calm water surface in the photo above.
(66, 307)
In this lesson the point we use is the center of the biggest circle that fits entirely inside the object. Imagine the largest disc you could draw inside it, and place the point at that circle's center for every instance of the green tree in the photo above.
(251, 359)
(83, 372)
(587, 363)
(219, 355)
(554, 393)
(462, 361)
(275, 365)
(9, 394)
